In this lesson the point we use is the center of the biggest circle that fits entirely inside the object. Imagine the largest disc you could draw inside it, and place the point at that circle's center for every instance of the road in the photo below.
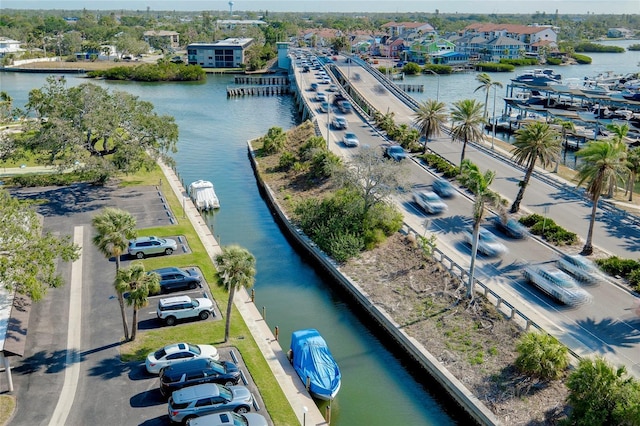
(607, 325)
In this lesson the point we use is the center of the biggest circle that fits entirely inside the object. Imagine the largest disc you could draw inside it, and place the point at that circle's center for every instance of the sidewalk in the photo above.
(291, 385)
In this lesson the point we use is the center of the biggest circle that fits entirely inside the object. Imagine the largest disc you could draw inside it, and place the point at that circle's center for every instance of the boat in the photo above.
(203, 196)
(538, 77)
(312, 360)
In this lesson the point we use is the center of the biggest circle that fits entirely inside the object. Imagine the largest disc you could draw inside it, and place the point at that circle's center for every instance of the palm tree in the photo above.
(114, 228)
(236, 268)
(138, 284)
(536, 141)
(633, 164)
(619, 132)
(486, 84)
(428, 119)
(466, 121)
(478, 183)
(604, 163)
(566, 126)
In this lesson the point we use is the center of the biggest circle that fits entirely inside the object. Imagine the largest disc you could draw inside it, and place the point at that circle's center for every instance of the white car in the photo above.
(488, 243)
(580, 267)
(321, 97)
(171, 309)
(350, 140)
(429, 201)
(557, 284)
(229, 418)
(176, 353)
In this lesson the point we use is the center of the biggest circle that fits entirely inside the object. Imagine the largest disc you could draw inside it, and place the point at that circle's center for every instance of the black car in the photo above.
(197, 371)
(176, 279)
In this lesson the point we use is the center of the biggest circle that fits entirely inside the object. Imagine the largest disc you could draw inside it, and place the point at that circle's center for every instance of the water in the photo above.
(212, 146)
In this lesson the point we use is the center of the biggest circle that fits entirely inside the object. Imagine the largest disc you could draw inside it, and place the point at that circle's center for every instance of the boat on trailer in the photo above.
(312, 360)
(203, 195)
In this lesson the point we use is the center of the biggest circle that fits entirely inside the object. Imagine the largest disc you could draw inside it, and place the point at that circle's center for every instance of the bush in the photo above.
(438, 69)
(441, 165)
(542, 355)
(520, 61)
(554, 61)
(411, 68)
(634, 279)
(616, 266)
(548, 229)
(581, 59)
(493, 67)
(287, 160)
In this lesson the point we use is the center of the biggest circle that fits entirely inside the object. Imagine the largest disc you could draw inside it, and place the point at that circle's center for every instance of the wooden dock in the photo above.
(258, 91)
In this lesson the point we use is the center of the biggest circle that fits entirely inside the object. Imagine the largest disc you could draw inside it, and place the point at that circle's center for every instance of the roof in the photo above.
(160, 33)
(483, 27)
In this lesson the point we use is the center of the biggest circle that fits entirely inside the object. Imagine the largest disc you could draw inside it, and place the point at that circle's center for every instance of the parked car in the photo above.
(172, 309)
(339, 123)
(429, 201)
(395, 152)
(175, 279)
(144, 246)
(197, 371)
(488, 243)
(580, 267)
(208, 398)
(350, 139)
(177, 353)
(443, 188)
(557, 284)
(510, 227)
(229, 418)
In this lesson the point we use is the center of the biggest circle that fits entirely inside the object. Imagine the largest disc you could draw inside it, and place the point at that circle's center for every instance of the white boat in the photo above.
(203, 196)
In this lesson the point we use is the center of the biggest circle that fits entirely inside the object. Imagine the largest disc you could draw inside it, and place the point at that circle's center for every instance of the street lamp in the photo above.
(304, 415)
(328, 121)
(438, 84)
(493, 135)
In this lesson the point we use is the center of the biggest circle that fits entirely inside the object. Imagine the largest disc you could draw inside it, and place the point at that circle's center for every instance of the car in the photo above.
(350, 139)
(175, 279)
(345, 107)
(557, 284)
(229, 418)
(333, 88)
(339, 123)
(197, 371)
(510, 227)
(144, 246)
(395, 152)
(488, 243)
(325, 80)
(321, 97)
(314, 86)
(172, 309)
(176, 353)
(324, 107)
(207, 398)
(580, 267)
(429, 201)
(443, 188)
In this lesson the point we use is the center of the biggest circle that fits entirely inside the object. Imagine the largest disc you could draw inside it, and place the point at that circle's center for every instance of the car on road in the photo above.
(321, 97)
(324, 107)
(350, 140)
(429, 201)
(172, 309)
(314, 87)
(345, 107)
(144, 246)
(175, 279)
(580, 267)
(488, 243)
(339, 123)
(229, 418)
(176, 353)
(443, 188)
(556, 283)
(195, 401)
(395, 152)
(197, 371)
(510, 227)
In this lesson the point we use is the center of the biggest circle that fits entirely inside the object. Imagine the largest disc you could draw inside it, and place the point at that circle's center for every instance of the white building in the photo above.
(9, 46)
(228, 53)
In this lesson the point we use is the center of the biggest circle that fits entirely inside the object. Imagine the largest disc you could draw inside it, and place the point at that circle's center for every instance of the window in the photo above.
(204, 402)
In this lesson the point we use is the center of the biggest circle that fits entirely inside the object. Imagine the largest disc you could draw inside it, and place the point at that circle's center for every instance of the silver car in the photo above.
(144, 246)
(488, 243)
(195, 401)
(229, 418)
(557, 284)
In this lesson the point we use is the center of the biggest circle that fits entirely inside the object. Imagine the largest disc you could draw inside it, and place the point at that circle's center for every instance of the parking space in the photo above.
(148, 317)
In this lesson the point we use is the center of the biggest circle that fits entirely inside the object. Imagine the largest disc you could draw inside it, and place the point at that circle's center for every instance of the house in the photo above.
(421, 51)
(230, 24)
(619, 33)
(228, 53)
(408, 30)
(8, 46)
(319, 37)
(529, 37)
(162, 39)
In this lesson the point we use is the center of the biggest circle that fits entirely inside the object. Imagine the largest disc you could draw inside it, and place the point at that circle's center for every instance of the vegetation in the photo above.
(627, 269)
(581, 59)
(406, 136)
(486, 83)
(411, 68)
(634, 47)
(520, 62)
(535, 142)
(429, 119)
(164, 71)
(29, 256)
(548, 229)
(542, 355)
(137, 284)
(594, 47)
(553, 61)
(437, 68)
(467, 121)
(236, 269)
(494, 67)
(440, 164)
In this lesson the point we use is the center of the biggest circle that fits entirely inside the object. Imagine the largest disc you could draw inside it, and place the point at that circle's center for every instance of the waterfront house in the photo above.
(162, 39)
(8, 46)
(498, 38)
(228, 53)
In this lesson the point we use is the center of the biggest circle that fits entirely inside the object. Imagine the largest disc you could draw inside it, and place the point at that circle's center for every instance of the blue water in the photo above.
(377, 389)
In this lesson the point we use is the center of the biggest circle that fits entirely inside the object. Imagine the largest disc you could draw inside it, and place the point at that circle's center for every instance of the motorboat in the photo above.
(538, 77)
(310, 356)
(203, 195)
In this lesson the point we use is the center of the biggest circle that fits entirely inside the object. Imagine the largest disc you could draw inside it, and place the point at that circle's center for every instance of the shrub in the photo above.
(494, 67)
(581, 59)
(287, 160)
(634, 279)
(519, 61)
(438, 69)
(549, 230)
(542, 355)
(554, 61)
(411, 68)
(616, 266)
(531, 220)
(441, 165)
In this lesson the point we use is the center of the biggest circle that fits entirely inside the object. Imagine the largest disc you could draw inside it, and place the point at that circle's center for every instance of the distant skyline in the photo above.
(346, 6)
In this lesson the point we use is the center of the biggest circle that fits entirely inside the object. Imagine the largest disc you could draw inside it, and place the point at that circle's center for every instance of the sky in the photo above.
(345, 6)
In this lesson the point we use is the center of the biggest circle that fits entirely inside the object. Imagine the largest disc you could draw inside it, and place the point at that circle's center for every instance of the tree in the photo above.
(566, 127)
(486, 84)
(114, 228)
(135, 281)
(275, 140)
(467, 121)
(600, 395)
(633, 164)
(104, 131)
(28, 258)
(478, 183)
(604, 163)
(542, 355)
(428, 119)
(236, 268)
(536, 141)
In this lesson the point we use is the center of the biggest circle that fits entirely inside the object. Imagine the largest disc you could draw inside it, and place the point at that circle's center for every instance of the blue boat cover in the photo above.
(311, 358)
